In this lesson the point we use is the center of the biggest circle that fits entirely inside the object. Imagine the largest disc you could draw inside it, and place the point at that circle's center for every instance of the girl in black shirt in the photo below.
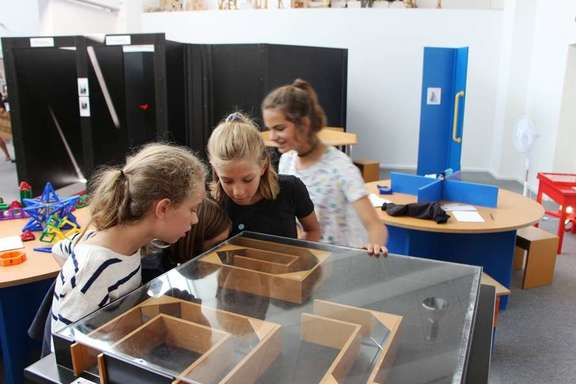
(252, 194)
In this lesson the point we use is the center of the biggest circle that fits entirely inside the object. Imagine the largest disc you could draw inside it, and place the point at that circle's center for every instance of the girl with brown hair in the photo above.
(294, 117)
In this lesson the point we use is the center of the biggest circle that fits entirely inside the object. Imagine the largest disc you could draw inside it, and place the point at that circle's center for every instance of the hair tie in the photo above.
(122, 174)
(233, 117)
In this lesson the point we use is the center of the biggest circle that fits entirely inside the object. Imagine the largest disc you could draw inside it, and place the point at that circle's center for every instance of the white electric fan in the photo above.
(524, 136)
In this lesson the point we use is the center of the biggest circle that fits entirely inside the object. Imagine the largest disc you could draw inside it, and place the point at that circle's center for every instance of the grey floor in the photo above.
(536, 336)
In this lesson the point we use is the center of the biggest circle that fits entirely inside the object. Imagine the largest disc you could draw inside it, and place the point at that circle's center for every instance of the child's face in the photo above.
(179, 218)
(240, 180)
(282, 132)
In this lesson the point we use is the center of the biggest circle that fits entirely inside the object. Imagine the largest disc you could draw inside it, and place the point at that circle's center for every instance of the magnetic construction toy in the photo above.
(51, 214)
(12, 211)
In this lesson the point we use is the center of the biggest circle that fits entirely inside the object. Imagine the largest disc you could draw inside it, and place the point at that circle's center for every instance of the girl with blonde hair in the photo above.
(153, 198)
(252, 194)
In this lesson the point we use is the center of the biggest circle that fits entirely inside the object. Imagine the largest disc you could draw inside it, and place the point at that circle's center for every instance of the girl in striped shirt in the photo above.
(154, 197)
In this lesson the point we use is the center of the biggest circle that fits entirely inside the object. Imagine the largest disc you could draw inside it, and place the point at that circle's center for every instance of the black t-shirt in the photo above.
(273, 217)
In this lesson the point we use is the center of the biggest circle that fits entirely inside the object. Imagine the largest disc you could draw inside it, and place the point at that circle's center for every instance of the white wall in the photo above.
(384, 68)
(19, 18)
(538, 80)
(555, 30)
(61, 17)
(565, 158)
(516, 47)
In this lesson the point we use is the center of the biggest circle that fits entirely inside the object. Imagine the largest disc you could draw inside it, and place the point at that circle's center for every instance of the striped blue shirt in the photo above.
(91, 277)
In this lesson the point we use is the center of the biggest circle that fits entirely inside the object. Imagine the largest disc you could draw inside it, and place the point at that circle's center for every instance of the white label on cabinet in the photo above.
(84, 102)
(41, 42)
(118, 40)
(138, 48)
(83, 86)
(434, 96)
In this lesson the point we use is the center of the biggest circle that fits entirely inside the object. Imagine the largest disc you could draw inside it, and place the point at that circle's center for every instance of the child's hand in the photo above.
(376, 250)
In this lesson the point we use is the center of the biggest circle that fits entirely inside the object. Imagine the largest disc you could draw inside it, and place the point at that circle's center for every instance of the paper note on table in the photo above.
(9, 243)
(458, 207)
(467, 217)
(377, 201)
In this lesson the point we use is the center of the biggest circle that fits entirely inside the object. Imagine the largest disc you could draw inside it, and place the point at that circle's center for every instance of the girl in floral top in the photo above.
(294, 117)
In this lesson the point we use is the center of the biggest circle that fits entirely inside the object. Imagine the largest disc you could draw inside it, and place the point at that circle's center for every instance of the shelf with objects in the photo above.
(265, 309)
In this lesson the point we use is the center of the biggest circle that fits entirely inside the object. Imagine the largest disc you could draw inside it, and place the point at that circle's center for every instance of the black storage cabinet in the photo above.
(43, 94)
(127, 93)
(143, 88)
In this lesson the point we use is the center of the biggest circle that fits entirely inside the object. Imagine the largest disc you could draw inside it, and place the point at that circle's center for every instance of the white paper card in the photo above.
(467, 217)
(377, 201)
(458, 207)
(434, 96)
(118, 40)
(10, 242)
(83, 86)
(41, 42)
(84, 102)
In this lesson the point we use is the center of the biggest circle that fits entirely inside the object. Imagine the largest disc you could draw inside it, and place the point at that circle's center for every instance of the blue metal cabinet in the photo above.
(442, 109)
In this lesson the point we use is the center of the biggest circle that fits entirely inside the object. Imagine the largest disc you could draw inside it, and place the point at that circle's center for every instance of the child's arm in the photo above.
(310, 227)
(377, 232)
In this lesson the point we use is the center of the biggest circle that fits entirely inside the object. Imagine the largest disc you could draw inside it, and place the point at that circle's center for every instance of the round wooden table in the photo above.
(328, 136)
(489, 244)
(514, 211)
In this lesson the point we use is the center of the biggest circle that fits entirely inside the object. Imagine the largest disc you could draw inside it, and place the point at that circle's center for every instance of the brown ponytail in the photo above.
(157, 171)
(297, 101)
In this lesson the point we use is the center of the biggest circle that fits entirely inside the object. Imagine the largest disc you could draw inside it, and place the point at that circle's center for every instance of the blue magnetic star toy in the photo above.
(49, 203)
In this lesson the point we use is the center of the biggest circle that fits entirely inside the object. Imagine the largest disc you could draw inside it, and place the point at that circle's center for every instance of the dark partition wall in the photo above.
(325, 68)
(126, 99)
(128, 96)
(108, 135)
(46, 125)
(177, 99)
(140, 97)
(239, 79)
(142, 88)
(239, 76)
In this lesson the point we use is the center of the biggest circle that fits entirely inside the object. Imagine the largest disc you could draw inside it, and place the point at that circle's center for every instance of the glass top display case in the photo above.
(264, 309)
